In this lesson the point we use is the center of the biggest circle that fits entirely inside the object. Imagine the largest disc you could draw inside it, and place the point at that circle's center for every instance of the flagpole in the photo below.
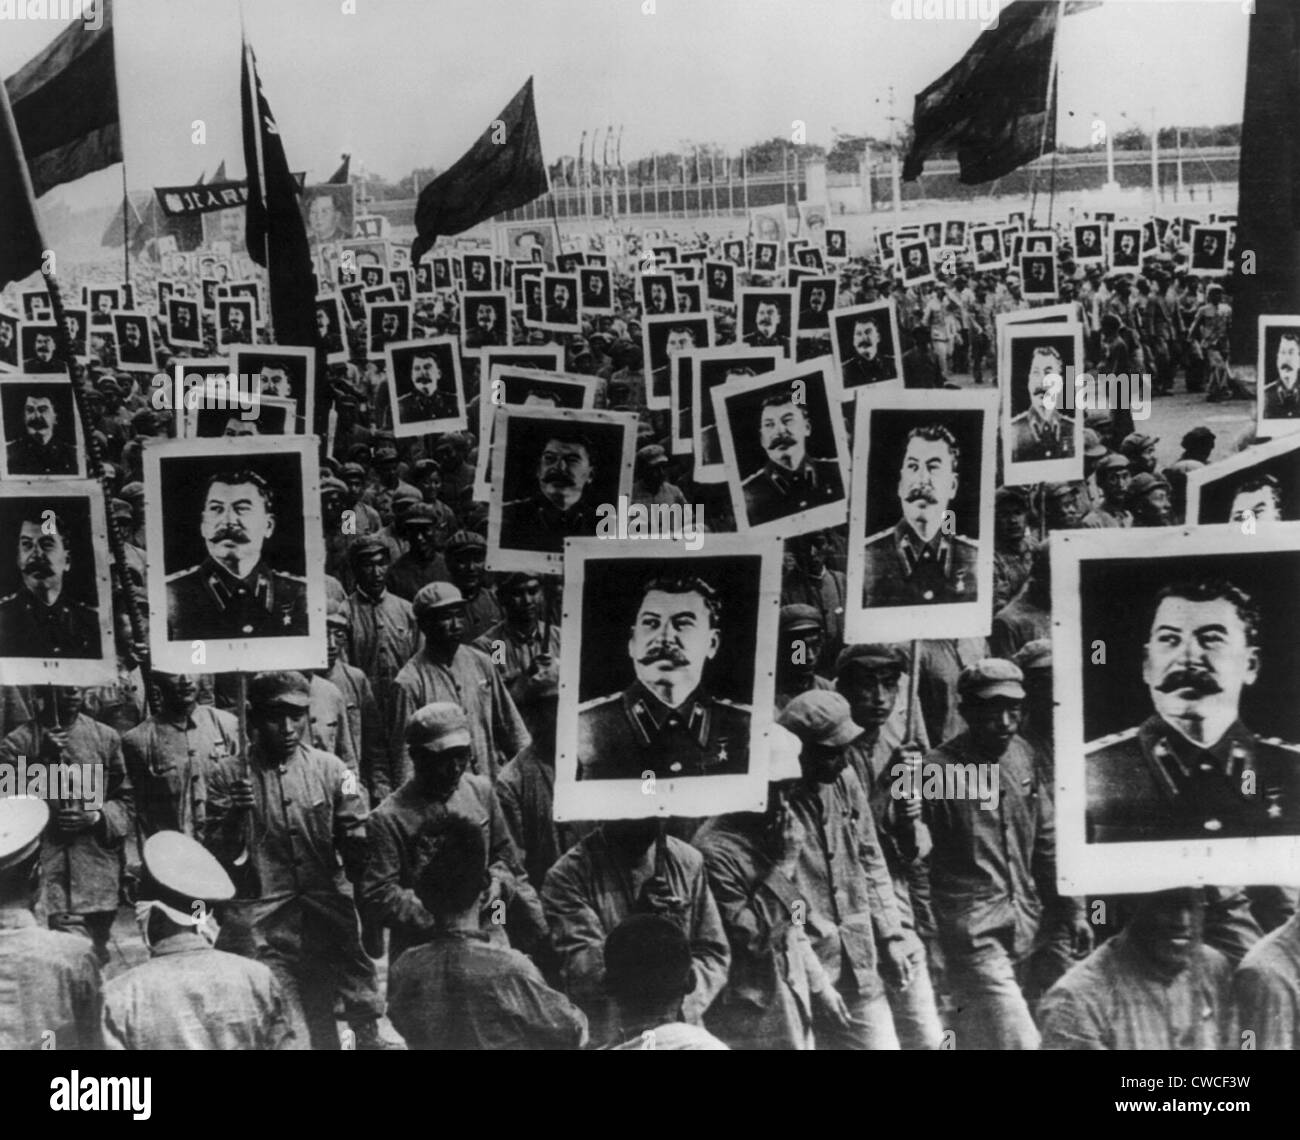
(126, 226)
(1049, 112)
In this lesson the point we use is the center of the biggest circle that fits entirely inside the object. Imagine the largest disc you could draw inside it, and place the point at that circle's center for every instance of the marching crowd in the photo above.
(396, 806)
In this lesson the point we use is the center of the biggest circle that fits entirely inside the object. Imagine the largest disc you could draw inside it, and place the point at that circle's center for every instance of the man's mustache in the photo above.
(665, 652)
(1199, 680)
(560, 479)
(38, 566)
(230, 533)
(785, 439)
(38, 422)
(922, 495)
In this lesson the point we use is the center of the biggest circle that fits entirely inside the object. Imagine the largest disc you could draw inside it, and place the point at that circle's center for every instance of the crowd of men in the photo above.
(396, 806)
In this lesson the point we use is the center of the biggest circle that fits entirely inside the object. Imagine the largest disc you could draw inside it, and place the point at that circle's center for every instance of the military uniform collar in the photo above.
(1285, 395)
(553, 513)
(913, 551)
(786, 480)
(1229, 756)
(184, 942)
(649, 716)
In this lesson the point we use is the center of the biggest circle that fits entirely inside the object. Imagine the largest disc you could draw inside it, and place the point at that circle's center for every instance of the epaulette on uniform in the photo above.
(1113, 738)
(1278, 742)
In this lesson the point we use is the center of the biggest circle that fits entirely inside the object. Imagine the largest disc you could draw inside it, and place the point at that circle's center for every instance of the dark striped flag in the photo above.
(65, 104)
(21, 248)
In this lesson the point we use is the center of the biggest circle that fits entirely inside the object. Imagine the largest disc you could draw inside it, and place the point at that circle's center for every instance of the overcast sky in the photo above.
(402, 83)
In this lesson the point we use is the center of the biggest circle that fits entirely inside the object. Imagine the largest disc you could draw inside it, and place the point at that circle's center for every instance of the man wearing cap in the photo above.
(625, 867)
(189, 995)
(651, 485)
(560, 507)
(1034, 660)
(915, 562)
(814, 576)
(82, 849)
(459, 989)
(993, 864)
(466, 568)
(1193, 770)
(36, 451)
(440, 745)
(383, 635)
(233, 594)
(289, 824)
(1140, 451)
(367, 518)
(776, 978)
(49, 980)
(168, 757)
(525, 644)
(1149, 501)
(1028, 615)
(1013, 548)
(870, 678)
(665, 721)
(526, 786)
(800, 645)
(447, 670)
(791, 480)
(1115, 477)
(422, 561)
(388, 482)
(833, 863)
(1156, 985)
(363, 723)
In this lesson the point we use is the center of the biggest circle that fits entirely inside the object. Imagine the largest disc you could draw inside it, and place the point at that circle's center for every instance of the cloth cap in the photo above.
(384, 454)
(1011, 497)
(820, 716)
(1144, 484)
(121, 509)
(331, 485)
(1034, 655)
(438, 726)
(799, 616)
(1112, 462)
(872, 655)
(279, 688)
(351, 469)
(465, 540)
(1198, 435)
(184, 869)
(651, 453)
(1136, 443)
(420, 513)
(992, 677)
(22, 820)
(436, 596)
(337, 611)
(365, 546)
(1093, 448)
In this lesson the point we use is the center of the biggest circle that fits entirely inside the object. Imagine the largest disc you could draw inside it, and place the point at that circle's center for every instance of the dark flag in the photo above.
(65, 105)
(340, 176)
(501, 171)
(274, 232)
(220, 175)
(21, 248)
(992, 106)
(1268, 204)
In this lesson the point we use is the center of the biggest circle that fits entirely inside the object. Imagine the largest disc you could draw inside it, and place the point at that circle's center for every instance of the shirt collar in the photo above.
(786, 480)
(186, 941)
